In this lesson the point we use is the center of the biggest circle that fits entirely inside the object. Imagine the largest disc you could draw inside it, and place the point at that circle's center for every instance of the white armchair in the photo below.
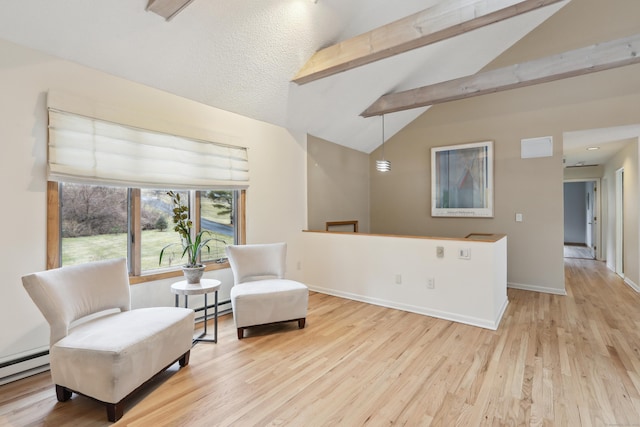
(260, 294)
(99, 347)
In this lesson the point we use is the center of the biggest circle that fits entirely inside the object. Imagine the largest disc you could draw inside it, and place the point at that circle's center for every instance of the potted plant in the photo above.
(191, 244)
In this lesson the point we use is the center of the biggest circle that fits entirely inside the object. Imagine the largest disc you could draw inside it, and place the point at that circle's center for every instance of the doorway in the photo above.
(582, 219)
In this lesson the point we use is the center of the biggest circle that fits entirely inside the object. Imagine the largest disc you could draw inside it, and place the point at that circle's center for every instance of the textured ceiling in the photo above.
(240, 55)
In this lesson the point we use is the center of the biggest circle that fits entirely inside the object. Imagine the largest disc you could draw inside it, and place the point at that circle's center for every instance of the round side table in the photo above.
(205, 287)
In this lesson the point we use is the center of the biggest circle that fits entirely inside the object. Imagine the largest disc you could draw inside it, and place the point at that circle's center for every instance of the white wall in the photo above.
(393, 271)
(627, 158)
(276, 200)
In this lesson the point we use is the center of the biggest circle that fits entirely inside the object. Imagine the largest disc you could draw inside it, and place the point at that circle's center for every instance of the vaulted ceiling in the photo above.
(241, 55)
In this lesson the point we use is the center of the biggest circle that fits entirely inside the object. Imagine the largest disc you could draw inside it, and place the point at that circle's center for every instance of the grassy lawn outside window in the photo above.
(88, 222)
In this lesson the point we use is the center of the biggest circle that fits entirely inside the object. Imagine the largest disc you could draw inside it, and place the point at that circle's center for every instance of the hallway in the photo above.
(577, 251)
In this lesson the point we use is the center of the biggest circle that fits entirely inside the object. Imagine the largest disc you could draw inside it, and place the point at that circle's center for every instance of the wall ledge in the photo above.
(475, 237)
(459, 280)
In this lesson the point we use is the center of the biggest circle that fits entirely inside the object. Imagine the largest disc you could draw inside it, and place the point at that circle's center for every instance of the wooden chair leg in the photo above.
(184, 360)
(240, 333)
(115, 411)
(301, 322)
(62, 393)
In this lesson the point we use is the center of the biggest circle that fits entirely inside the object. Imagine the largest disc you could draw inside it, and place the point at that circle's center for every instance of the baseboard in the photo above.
(501, 313)
(536, 288)
(454, 317)
(632, 285)
(626, 280)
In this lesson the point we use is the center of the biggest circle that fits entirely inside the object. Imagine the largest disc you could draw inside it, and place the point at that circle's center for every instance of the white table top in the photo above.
(204, 287)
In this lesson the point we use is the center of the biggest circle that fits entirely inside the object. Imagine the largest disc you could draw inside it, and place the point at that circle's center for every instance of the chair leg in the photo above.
(115, 411)
(240, 333)
(184, 360)
(62, 393)
(301, 323)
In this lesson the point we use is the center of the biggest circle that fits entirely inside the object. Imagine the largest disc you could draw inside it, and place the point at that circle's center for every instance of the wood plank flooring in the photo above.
(555, 361)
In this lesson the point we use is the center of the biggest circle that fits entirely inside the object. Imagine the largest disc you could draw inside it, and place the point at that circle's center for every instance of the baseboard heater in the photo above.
(23, 367)
(221, 310)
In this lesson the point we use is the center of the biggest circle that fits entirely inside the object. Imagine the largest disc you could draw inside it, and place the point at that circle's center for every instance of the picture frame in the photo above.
(462, 180)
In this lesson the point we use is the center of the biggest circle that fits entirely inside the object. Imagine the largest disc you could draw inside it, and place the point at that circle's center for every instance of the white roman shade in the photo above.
(88, 150)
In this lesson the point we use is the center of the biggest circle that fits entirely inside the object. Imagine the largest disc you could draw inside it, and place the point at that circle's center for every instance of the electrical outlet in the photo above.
(398, 279)
(440, 251)
(431, 283)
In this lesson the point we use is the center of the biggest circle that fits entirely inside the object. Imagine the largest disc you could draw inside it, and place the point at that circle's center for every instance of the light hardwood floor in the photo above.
(555, 360)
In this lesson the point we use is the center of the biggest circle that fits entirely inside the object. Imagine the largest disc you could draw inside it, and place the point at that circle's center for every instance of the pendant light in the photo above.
(383, 165)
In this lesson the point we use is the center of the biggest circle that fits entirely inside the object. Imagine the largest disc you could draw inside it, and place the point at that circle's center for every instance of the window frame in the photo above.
(54, 233)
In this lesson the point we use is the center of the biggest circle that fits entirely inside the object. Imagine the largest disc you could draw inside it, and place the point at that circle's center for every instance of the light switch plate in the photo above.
(464, 253)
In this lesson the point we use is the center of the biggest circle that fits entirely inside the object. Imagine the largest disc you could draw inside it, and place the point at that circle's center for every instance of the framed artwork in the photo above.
(462, 180)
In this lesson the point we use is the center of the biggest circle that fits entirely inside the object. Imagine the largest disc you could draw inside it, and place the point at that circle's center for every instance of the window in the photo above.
(106, 194)
(92, 222)
(217, 208)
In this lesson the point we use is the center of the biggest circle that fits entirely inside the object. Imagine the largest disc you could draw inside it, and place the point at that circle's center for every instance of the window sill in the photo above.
(210, 266)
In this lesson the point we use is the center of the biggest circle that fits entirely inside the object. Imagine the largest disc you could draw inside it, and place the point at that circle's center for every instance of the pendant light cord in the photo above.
(383, 137)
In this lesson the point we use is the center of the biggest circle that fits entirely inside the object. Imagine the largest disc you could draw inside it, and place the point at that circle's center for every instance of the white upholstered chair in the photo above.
(99, 346)
(260, 294)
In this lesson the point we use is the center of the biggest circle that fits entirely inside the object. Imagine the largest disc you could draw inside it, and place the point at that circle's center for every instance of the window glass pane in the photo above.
(94, 223)
(217, 214)
(158, 230)
(95, 226)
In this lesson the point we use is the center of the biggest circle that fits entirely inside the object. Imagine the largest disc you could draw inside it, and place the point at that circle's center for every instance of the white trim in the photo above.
(631, 284)
(536, 288)
(619, 222)
(468, 320)
(599, 212)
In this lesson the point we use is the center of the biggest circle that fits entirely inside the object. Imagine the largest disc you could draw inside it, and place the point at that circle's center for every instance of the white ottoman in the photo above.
(268, 301)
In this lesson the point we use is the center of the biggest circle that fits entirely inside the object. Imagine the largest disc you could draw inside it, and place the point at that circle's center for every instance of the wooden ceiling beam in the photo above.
(448, 19)
(598, 57)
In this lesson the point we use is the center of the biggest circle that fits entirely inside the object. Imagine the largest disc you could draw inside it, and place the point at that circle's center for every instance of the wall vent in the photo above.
(536, 147)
